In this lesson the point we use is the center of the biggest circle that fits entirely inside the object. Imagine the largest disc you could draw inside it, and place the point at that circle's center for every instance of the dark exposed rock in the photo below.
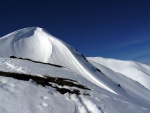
(36, 61)
(47, 81)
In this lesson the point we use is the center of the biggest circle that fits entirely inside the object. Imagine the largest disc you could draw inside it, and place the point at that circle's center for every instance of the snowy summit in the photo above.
(39, 73)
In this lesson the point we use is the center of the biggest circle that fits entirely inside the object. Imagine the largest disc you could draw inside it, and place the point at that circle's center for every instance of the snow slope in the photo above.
(134, 70)
(126, 83)
(36, 44)
(114, 86)
(28, 97)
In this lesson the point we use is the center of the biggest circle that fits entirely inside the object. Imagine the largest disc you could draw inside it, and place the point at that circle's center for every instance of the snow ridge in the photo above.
(134, 70)
(36, 44)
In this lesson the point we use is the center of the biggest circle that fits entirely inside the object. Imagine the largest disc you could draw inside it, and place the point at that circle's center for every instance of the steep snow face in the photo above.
(136, 71)
(26, 43)
(36, 44)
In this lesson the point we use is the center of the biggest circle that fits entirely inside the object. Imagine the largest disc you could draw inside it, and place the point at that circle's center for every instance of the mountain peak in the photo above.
(36, 44)
(90, 84)
(22, 33)
(30, 42)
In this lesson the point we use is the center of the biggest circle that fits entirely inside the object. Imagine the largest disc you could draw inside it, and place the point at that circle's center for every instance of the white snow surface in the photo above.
(134, 70)
(36, 44)
(113, 90)
(27, 97)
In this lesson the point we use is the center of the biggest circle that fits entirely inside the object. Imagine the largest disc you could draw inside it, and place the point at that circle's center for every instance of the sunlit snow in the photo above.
(115, 86)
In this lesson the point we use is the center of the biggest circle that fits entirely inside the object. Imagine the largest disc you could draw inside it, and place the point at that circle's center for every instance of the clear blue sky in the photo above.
(117, 29)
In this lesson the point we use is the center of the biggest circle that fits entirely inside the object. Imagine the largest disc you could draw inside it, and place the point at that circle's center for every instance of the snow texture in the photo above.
(36, 44)
(116, 86)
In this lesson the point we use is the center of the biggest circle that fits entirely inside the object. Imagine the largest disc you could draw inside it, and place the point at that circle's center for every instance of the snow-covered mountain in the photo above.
(44, 74)
(36, 44)
(134, 70)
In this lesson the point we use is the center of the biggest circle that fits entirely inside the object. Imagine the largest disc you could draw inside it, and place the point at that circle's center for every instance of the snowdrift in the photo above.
(49, 75)
(36, 44)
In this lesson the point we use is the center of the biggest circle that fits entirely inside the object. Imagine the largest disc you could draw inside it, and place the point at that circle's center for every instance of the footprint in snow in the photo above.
(44, 104)
(12, 85)
(44, 97)
(7, 84)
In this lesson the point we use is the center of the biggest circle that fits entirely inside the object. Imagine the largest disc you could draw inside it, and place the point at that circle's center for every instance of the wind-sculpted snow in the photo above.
(26, 43)
(42, 74)
(38, 45)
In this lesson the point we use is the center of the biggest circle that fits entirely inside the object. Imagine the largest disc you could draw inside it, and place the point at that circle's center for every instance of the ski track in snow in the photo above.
(84, 105)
